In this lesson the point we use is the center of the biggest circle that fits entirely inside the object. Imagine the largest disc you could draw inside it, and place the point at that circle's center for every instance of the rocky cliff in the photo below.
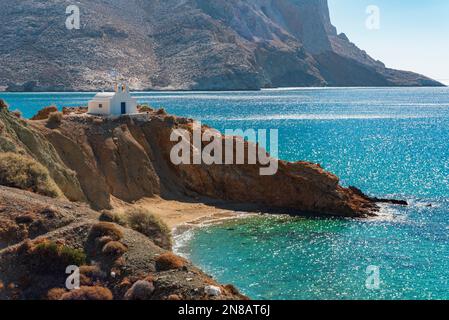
(96, 160)
(189, 44)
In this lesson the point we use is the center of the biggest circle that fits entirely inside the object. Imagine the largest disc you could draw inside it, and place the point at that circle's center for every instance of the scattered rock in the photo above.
(141, 290)
(212, 291)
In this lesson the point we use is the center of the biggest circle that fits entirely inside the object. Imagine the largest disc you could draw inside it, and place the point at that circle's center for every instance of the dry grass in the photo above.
(117, 217)
(54, 119)
(18, 171)
(44, 113)
(148, 224)
(142, 221)
(170, 261)
(89, 293)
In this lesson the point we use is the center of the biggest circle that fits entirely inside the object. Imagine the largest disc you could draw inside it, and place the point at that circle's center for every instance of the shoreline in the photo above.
(183, 217)
(176, 213)
(443, 85)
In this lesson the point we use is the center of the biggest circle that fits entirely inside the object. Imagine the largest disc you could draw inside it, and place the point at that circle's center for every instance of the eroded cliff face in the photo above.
(191, 44)
(96, 160)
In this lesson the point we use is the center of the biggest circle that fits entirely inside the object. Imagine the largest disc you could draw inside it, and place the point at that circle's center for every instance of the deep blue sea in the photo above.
(388, 142)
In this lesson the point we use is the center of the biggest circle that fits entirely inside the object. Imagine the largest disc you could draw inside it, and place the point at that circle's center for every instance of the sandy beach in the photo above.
(177, 213)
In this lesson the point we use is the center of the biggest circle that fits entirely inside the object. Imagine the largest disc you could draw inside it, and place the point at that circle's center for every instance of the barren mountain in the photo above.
(183, 44)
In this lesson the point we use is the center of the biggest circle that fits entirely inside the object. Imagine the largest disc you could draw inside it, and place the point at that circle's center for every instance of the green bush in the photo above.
(48, 256)
(18, 171)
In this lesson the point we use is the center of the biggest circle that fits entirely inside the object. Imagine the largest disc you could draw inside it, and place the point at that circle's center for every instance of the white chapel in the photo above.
(119, 102)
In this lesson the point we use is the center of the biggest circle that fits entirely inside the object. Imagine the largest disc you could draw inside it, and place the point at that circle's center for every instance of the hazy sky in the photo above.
(413, 34)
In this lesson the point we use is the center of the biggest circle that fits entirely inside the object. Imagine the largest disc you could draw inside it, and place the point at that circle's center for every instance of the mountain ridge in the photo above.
(184, 45)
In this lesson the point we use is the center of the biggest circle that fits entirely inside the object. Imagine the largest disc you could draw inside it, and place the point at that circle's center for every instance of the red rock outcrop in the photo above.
(129, 158)
(96, 159)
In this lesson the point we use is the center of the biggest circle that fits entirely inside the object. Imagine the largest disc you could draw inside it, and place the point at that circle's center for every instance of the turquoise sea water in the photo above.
(388, 142)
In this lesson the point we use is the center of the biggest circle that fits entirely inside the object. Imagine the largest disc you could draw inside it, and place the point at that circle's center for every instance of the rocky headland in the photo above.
(82, 178)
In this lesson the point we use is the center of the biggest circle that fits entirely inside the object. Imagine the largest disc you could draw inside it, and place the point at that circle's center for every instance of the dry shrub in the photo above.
(55, 293)
(106, 229)
(54, 119)
(18, 171)
(90, 274)
(114, 249)
(3, 105)
(17, 114)
(113, 216)
(89, 293)
(107, 216)
(170, 120)
(26, 218)
(11, 232)
(103, 241)
(24, 248)
(232, 289)
(169, 261)
(76, 110)
(125, 284)
(44, 113)
(145, 108)
(93, 272)
(49, 212)
(161, 111)
(143, 221)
